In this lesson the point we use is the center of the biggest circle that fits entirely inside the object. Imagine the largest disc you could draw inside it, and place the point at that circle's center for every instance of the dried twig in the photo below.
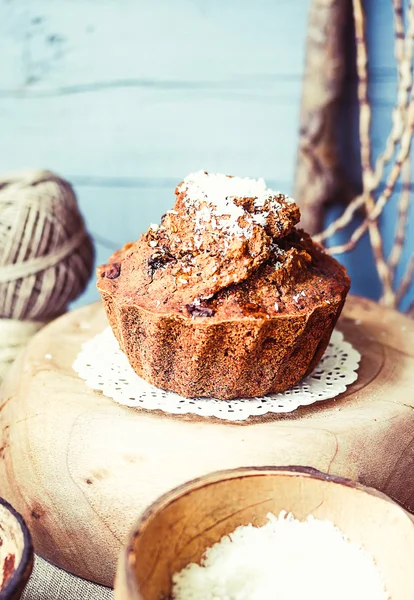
(404, 54)
(402, 156)
(403, 51)
(406, 280)
(396, 151)
(366, 151)
(341, 221)
(403, 206)
(404, 45)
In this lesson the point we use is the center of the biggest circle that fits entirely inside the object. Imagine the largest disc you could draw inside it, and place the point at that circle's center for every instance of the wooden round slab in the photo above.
(80, 468)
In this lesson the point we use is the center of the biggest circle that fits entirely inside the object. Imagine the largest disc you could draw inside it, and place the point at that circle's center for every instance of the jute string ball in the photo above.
(46, 254)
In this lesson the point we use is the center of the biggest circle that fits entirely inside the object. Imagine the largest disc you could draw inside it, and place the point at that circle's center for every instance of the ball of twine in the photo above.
(46, 254)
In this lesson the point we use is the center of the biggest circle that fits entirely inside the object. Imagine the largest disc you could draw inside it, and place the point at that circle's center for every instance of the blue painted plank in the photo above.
(51, 44)
(147, 133)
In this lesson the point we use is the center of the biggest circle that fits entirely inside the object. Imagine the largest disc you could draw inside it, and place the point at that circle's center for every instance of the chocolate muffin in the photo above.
(225, 298)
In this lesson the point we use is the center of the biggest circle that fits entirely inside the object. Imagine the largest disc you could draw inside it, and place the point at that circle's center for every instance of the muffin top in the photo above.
(228, 248)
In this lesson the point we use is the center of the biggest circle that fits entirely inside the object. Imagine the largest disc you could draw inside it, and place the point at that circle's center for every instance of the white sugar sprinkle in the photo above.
(153, 243)
(213, 195)
(48, 356)
(260, 219)
(219, 188)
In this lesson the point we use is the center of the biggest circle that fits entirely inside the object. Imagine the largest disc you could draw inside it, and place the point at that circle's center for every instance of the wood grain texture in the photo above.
(180, 526)
(81, 468)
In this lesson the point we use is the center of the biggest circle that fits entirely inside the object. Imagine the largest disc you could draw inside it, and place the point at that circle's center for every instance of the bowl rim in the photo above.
(126, 561)
(20, 574)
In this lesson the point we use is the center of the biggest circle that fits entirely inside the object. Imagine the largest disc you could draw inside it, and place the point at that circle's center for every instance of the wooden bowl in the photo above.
(180, 526)
(16, 553)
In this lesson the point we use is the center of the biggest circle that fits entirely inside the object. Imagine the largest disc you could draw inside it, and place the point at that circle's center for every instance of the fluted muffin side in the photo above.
(241, 358)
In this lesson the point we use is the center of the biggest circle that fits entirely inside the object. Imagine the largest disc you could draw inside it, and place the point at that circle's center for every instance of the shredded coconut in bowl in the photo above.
(286, 559)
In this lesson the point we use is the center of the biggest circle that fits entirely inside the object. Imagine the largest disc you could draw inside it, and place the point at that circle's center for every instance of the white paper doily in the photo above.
(105, 367)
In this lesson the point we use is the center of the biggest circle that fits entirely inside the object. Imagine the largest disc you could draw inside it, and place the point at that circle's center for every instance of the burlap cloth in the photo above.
(50, 583)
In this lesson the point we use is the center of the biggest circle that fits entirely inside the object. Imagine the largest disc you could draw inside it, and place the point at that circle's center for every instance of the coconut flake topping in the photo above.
(220, 189)
(218, 192)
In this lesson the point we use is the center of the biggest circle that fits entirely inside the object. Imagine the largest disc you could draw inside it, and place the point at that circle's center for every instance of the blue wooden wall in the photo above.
(125, 97)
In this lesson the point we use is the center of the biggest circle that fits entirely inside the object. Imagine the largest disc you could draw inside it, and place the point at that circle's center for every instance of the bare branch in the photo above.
(389, 188)
(402, 220)
(403, 51)
(341, 221)
(366, 152)
(396, 152)
(406, 280)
